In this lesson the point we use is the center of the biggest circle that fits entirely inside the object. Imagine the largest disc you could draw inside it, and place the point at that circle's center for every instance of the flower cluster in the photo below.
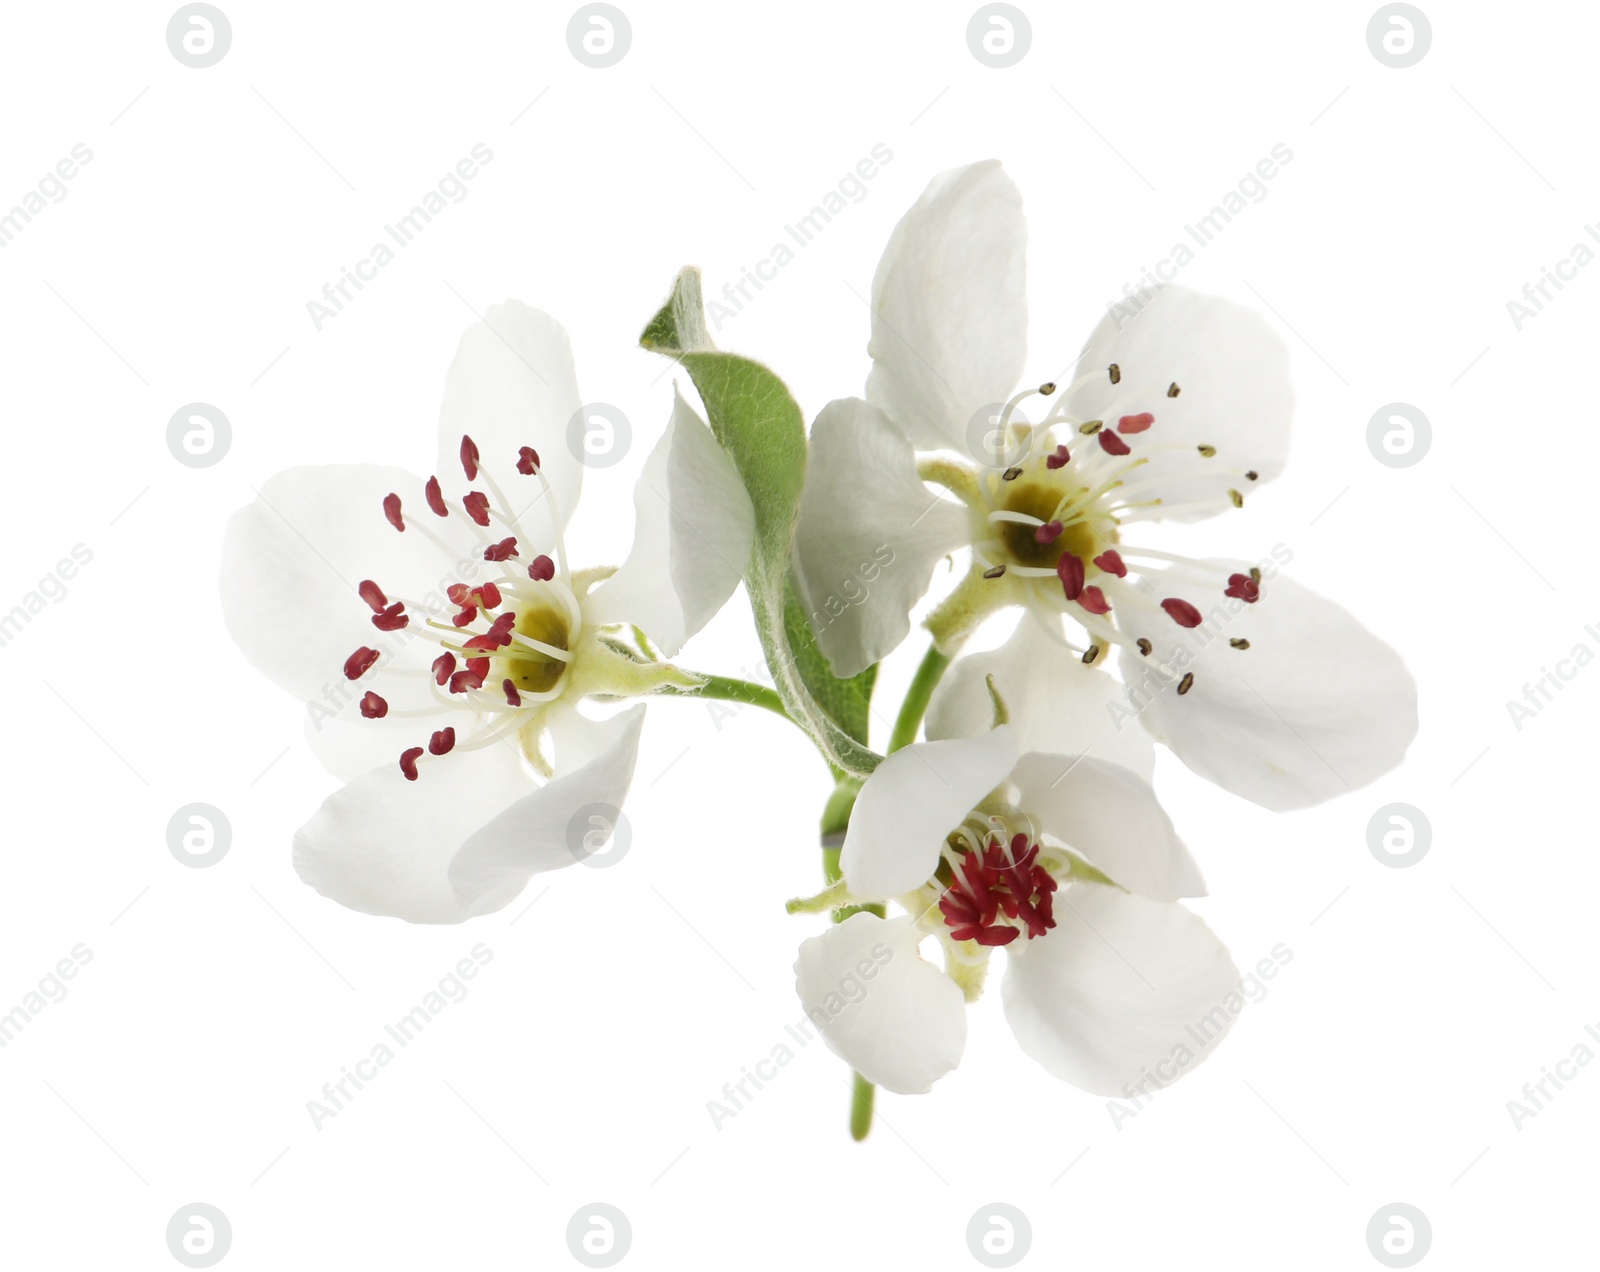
(1024, 820)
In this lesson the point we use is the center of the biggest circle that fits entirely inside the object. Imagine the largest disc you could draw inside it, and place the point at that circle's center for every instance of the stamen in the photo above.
(1011, 474)
(391, 619)
(542, 570)
(1090, 654)
(1144, 647)
(408, 762)
(391, 510)
(995, 571)
(1060, 459)
(1238, 499)
(1207, 451)
(1238, 642)
(373, 707)
(1252, 475)
(1115, 372)
(1070, 571)
(1173, 390)
(1094, 600)
(477, 506)
(1186, 684)
(442, 741)
(1244, 588)
(1182, 613)
(527, 461)
(512, 696)
(1113, 445)
(469, 457)
(373, 595)
(1112, 563)
(435, 498)
(1135, 423)
(501, 551)
(359, 663)
(1047, 533)
(443, 666)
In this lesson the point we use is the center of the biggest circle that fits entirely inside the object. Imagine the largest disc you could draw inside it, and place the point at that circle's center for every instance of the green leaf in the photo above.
(759, 424)
(847, 703)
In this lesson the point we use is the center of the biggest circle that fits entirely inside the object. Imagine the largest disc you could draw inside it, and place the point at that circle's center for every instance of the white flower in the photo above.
(1176, 411)
(441, 639)
(984, 849)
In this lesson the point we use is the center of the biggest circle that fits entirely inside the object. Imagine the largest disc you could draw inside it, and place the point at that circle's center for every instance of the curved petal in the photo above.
(511, 385)
(1055, 703)
(1112, 818)
(869, 535)
(293, 560)
(1316, 706)
(949, 314)
(383, 845)
(895, 1018)
(1107, 999)
(547, 829)
(911, 802)
(1234, 394)
(693, 530)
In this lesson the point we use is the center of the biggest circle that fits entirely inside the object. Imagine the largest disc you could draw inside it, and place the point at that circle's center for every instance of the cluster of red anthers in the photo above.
(472, 602)
(998, 882)
(1070, 569)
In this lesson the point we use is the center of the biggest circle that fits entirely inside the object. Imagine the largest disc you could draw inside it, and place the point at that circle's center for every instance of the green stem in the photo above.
(860, 1108)
(730, 689)
(915, 705)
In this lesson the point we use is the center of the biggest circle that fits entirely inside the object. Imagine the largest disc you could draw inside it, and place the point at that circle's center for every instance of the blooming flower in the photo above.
(1069, 865)
(441, 638)
(1177, 413)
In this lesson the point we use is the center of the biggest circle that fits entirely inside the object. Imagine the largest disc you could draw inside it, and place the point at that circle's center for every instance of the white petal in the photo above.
(892, 1016)
(1112, 817)
(1232, 373)
(949, 314)
(383, 845)
(1055, 703)
(547, 829)
(869, 536)
(1317, 705)
(293, 560)
(1108, 995)
(911, 802)
(512, 384)
(693, 530)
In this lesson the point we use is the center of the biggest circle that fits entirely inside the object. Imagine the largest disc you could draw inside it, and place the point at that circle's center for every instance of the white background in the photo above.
(218, 1001)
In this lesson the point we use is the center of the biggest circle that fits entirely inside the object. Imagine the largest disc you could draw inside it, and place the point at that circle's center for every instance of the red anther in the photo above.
(1070, 571)
(435, 497)
(1182, 613)
(542, 570)
(1059, 459)
(1135, 423)
(442, 742)
(477, 506)
(466, 616)
(391, 619)
(1112, 444)
(486, 642)
(469, 457)
(479, 667)
(1243, 587)
(373, 707)
(985, 884)
(477, 670)
(506, 548)
(459, 594)
(359, 663)
(408, 762)
(443, 665)
(1112, 563)
(512, 696)
(1094, 600)
(373, 595)
(1049, 532)
(502, 626)
(391, 510)
(528, 461)
(462, 682)
(488, 596)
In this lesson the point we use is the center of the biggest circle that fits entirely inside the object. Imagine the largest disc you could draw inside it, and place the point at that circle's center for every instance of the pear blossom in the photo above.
(442, 638)
(1178, 409)
(1069, 865)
